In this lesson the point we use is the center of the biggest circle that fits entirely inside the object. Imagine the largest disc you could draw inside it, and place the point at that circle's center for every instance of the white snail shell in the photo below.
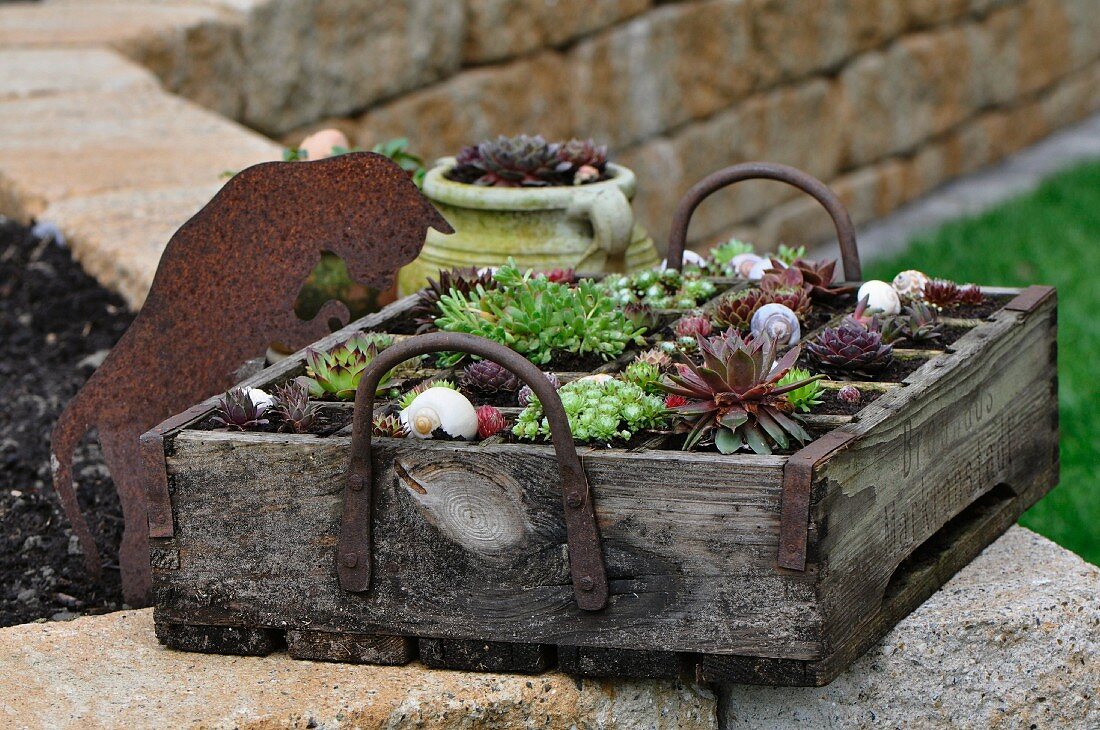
(690, 257)
(743, 263)
(910, 283)
(598, 377)
(319, 144)
(261, 399)
(880, 296)
(444, 408)
(777, 322)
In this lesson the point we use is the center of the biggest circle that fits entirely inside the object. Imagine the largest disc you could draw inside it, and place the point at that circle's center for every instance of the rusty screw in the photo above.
(574, 499)
(586, 584)
(355, 482)
(351, 560)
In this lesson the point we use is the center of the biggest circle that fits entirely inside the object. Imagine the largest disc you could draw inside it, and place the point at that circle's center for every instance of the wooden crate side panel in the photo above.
(987, 416)
(470, 544)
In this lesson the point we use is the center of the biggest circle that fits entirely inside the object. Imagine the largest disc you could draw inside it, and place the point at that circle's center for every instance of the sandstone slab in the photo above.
(71, 145)
(40, 71)
(1012, 641)
(79, 22)
(118, 237)
(109, 671)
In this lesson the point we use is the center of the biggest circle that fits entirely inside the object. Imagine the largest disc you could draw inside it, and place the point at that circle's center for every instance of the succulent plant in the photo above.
(787, 287)
(407, 398)
(674, 401)
(389, 426)
(645, 375)
(657, 357)
(487, 377)
(660, 289)
(598, 410)
(490, 422)
(789, 254)
(462, 280)
(819, 276)
(734, 397)
(561, 276)
(398, 150)
(722, 254)
(693, 324)
(537, 317)
(526, 161)
(919, 324)
(971, 295)
(293, 407)
(239, 410)
(849, 394)
(736, 309)
(640, 315)
(525, 394)
(850, 349)
(338, 371)
(942, 294)
(805, 397)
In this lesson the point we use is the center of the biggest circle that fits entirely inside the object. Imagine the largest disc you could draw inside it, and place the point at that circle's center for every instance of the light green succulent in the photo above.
(598, 411)
(646, 375)
(806, 397)
(660, 289)
(338, 371)
(789, 255)
(724, 252)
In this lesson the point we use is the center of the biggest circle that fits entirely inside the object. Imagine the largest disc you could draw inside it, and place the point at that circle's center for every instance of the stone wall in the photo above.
(884, 100)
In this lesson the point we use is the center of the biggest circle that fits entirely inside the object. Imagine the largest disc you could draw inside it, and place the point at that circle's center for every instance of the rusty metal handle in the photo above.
(845, 232)
(586, 563)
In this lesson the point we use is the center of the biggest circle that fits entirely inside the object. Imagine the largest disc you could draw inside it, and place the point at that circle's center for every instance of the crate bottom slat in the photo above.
(327, 646)
(237, 640)
(587, 661)
(486, 656)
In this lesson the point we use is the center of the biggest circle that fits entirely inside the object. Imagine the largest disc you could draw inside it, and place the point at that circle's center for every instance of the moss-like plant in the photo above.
(337, 372)
(667, 289)
(537, 317)
(598, 410)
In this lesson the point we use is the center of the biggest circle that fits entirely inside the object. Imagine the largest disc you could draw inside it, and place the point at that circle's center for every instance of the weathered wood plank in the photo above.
(326, 646)
(589, 661)
(486, 656)
(923, 453)
(239, 640)
(257, 517)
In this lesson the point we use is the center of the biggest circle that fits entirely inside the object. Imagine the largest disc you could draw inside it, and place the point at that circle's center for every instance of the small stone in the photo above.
(93, 360)
(34, 542)
(65, 615)
(74, 546)
(27, 595)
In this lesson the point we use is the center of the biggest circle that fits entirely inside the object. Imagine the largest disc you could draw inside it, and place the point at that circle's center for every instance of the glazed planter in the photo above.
(590, 228)
(637, 559)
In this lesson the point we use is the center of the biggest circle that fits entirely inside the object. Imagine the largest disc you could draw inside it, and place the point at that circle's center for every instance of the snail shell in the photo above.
(880, 296)
(444, 408)
(910, 283)
(742, 264)
(776, 322)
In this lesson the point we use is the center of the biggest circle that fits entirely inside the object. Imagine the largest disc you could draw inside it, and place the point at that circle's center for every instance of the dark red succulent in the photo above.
(490, 421)
(819, 275)
(462, 280)
(971, 295)
(850, 349)
(942, 293)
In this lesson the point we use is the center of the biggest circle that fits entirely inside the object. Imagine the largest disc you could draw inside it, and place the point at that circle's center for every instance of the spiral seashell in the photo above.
(776, 322)
(910, 283)
(881, 297)
(742, 264)
(442, 408)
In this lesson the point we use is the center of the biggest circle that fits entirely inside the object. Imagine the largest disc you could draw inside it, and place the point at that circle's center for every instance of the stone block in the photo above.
(674, 64)
(29, 72)
(82, 23)
(306, 60)
(109, 671)
(499, 29)
(71, 145)
(1013, 640)
(530, 95)
(118, 237)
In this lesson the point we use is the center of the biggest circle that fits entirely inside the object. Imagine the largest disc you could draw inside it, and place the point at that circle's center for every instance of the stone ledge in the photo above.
(109, 671)
(1013, 640)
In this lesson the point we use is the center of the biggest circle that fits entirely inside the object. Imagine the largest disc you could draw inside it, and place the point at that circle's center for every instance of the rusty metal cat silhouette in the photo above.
(224, 290)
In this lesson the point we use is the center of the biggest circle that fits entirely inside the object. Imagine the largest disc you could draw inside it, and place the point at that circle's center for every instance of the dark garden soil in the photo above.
(831, 405)
(56, 323)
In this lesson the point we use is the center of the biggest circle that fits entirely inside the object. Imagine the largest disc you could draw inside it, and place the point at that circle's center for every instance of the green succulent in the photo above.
(646, 375)
(789, 255)
(398, 150)
(660, 289)
(809, 395)
(723, 253)
(537, 317)
(598, 410)
(338, 371)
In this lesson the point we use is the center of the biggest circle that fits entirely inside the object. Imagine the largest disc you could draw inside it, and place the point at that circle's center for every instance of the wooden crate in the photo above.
(742, 568)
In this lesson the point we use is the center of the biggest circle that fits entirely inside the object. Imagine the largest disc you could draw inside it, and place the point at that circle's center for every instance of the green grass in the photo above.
(1050, 236)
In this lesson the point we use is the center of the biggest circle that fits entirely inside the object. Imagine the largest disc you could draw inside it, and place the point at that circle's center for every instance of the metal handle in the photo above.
(845, 232)
(586, 562)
